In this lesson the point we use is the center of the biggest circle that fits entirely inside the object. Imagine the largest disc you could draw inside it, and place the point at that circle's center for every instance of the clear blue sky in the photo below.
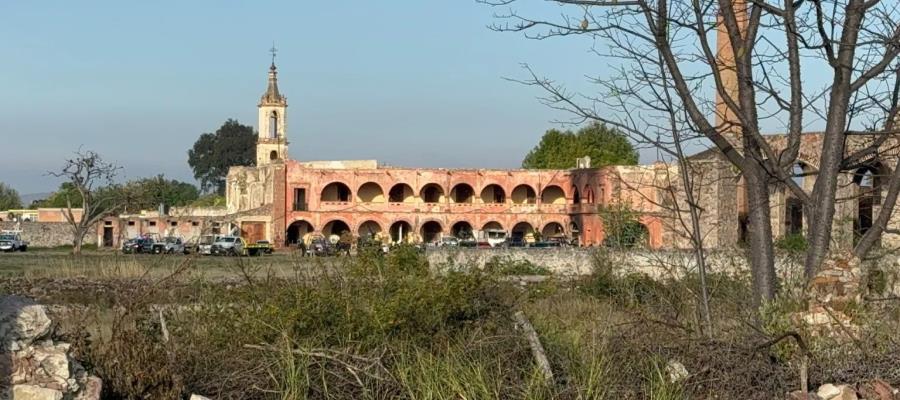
(413, 83)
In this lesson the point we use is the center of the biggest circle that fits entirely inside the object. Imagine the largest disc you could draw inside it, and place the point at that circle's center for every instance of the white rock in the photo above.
(677, 371)
(21, 322)
(847, 393)
(31, 392)
(828, 391)
(198, 397)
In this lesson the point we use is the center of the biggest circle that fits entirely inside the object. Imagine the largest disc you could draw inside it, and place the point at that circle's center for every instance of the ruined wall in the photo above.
(571, 261)
(48, 234)
(247, 188)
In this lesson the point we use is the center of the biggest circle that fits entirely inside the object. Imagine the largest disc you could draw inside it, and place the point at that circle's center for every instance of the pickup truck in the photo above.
(168, 245)
(12, 241)
(237, 246)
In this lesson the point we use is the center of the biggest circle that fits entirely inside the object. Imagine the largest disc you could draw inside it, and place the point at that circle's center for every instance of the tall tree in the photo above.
(558, 149)
(231, 145)
(91, 178)
(9, 197)
(768, 67)
(62, 197)
(149, 193)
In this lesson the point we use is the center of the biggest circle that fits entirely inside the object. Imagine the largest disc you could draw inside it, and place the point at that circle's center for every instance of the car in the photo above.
(228, 245)
(265, 246)
(516, 241)
(12, 241)
(137, 245)
(495, 237)
(147, 245)
(448, 241)
(546, 244)
(205, 244)
(168, 245)
(320, 246)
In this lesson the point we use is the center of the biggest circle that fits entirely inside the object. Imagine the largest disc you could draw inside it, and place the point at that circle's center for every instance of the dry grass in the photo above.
(375, 328)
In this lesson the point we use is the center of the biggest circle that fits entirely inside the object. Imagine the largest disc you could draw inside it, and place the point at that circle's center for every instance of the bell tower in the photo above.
(271, 145)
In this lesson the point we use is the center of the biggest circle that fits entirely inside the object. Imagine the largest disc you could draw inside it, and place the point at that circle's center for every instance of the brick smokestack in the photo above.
(726, 120)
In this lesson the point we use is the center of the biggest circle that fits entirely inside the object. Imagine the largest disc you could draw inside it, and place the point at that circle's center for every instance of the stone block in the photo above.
(32, 392)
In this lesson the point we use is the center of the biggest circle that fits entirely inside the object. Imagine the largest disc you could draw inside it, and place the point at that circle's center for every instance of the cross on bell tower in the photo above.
(271, 144)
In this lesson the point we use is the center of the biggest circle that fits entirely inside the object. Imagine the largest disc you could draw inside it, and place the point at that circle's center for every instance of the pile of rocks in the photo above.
(32, 365)
(873, 390)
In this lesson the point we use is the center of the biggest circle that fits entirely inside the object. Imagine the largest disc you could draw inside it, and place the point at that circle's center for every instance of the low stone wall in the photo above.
(581, 261)
(48, 234)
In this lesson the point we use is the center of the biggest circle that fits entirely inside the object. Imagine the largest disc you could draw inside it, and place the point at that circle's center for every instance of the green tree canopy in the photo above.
(139, 194)
(57, 199)
(559, 149)
(231, 145)
(149, 193)
(9, 197)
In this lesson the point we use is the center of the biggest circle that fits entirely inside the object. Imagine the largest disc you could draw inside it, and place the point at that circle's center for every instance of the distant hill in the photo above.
(28, 198)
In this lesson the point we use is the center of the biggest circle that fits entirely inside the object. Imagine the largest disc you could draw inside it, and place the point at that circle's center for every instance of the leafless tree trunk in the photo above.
(765, 72)
(87, 172)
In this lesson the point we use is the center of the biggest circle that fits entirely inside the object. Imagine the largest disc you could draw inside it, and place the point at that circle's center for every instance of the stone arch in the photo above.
(336, 192)
(552, 229)
(462, 193)
(492, 225)
(462, 230)
(868, 185)
(431, 231)
(273, 155)
(401, 193)
(370, 229)
(589, 195)
(524, 230)
(576, 195)
(553, 194)
(297, 231)
(432, 193)
(401, 231)
(524, 194)
(273, 125)
(335, 227)
(370, 192)
(493, 194)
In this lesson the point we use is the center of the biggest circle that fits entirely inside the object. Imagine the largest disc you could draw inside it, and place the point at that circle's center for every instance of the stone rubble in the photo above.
(37, 367)
(875, 389)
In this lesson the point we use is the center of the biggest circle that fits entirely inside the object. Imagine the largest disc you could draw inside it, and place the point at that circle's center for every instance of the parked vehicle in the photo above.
(320, 246)
(168, 245)
(495, 237)
(12, 241)
(147, 245)
(265, 246)
(516, 241)
(132, 246)
(546, 244)
(228, 245)
(140, 244)
(238, 246)
(449, 241)
(205, 244)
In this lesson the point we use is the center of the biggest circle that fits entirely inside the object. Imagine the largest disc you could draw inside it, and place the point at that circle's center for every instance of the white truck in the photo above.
(12, 241)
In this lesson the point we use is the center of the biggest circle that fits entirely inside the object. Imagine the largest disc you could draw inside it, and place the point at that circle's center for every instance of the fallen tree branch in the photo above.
(537, 350)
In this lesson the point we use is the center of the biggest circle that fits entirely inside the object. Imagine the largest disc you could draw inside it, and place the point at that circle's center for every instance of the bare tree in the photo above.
(779, 64)
(91, 178)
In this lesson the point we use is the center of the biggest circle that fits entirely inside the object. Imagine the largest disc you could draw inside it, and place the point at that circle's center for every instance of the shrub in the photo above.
(792, 243)
(509, 266)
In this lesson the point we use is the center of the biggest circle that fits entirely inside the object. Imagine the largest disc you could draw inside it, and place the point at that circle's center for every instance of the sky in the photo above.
(407, 82)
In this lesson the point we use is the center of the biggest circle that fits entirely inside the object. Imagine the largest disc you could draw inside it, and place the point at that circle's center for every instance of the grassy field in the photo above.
(387, 327)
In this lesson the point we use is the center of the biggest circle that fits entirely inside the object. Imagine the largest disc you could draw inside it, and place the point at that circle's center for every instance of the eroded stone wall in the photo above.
(48, 234)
